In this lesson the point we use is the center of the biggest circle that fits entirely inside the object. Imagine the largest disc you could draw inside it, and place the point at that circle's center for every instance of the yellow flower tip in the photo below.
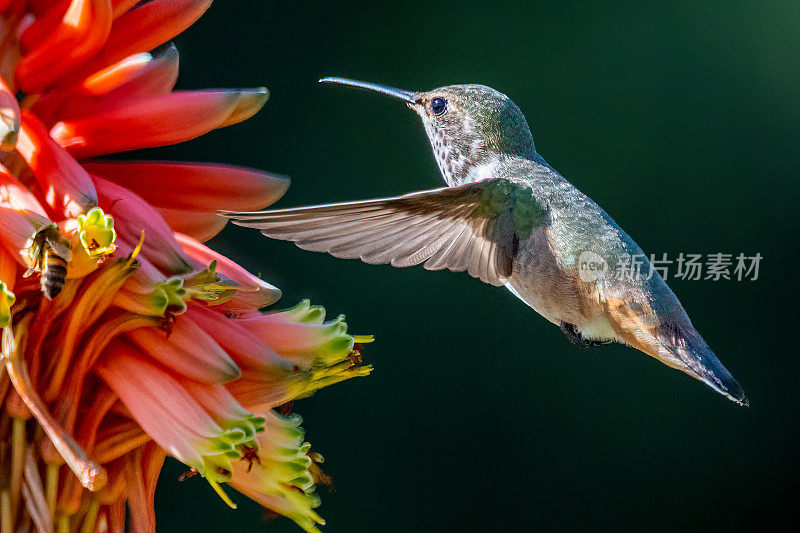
(209, 286)
(96, 232)
(7, 299)
(361, 371)
(169, 297)
(248, 103)
(221, 493)
(363, 339)
(91, 237)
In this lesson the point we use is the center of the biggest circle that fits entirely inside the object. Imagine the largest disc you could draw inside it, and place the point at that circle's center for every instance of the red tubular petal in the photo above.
(194, 186)
(115, 516)
(9, 118)
(132, 216)
(200, 225)
(82, 32)
(247, 349)
(156, 400)
(156, 76)
(141, 30)
(8, 269)
(187, 350)
(15, 195)
(120, 7)
(68, 189)
(44, 25)
(156, 121)
(37, 7)
(18, 227)
(135, 76)
(142, 473)
(117, 74)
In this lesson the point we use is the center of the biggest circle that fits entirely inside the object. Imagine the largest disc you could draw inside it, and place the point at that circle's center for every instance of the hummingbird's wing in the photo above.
(470, 227)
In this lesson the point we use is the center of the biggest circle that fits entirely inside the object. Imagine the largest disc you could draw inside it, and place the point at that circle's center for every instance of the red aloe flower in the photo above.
(125, 339)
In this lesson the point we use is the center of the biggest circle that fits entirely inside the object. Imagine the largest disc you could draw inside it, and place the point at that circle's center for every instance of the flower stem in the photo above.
(18, 445)
(6, 520)
(51, 487)
(62, 525)
(90, 520)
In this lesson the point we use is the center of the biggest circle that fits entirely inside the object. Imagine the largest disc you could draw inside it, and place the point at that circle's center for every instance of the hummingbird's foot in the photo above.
(574, 336)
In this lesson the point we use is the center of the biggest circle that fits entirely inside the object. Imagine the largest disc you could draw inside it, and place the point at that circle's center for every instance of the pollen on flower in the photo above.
(124, 338)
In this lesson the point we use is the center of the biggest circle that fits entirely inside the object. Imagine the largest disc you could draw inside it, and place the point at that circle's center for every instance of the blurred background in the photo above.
(682, 121)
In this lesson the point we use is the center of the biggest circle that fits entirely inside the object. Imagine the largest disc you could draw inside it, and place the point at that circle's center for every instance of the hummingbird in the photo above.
(508, 218)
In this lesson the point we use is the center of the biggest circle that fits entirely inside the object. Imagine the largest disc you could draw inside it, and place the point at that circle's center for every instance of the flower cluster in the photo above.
(125, 338)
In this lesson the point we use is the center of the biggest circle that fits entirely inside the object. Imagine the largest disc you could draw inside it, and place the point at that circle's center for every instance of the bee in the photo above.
(49, 254)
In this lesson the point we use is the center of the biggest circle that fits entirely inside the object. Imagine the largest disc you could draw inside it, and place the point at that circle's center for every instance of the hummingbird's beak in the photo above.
(407, 96)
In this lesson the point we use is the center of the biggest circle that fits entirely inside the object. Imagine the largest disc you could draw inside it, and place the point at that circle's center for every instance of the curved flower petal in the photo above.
(160, 246)
(156, 121)
(142, 29)
(8, 269)
(154, 396)
(19, 227)
(141, 474)
(194, 186)
(201, 425)
(15, 195)
(43, 25)
(120, 7)
(246, 348)
(156, 75)
(288, 338)
(66, 186)
(187, 350)
(135, 76)
(268, 380)
(116, 75)
(200, 225)
(324, 351)
(82, 32)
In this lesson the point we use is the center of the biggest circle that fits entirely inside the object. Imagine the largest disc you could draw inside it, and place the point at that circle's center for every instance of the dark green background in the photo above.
(683, 122)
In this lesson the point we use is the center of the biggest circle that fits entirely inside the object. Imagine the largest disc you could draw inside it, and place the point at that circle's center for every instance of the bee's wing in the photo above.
(458, 228)
(60, 246)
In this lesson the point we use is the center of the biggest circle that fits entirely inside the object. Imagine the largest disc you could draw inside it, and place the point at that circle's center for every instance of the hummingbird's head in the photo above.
(470, 127)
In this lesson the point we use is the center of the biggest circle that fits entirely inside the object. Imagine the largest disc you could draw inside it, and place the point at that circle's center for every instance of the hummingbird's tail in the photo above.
(690, 353)
(670, 337)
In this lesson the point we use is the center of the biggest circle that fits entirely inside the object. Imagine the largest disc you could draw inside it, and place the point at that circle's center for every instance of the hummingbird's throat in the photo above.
(462, 155)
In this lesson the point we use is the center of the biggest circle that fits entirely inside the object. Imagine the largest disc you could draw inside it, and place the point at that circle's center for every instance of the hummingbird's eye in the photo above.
(438, 106)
